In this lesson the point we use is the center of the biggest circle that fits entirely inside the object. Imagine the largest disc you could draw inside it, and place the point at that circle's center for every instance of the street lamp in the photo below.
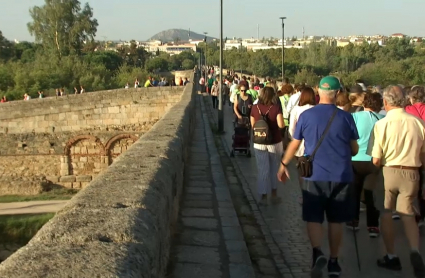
(283, 48)
(206, 47)
(220, 95)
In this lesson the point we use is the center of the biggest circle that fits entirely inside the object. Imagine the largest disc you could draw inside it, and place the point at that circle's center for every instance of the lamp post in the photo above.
(206, 48)
(283, 47)
(220, 95)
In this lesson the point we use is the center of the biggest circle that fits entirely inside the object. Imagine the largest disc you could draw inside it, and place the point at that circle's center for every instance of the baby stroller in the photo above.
(242, 137)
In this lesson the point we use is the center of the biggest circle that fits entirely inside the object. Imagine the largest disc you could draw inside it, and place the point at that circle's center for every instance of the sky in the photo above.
(134, 19)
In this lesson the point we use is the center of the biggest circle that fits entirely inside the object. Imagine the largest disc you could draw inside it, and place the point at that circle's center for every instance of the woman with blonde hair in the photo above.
(356, 99)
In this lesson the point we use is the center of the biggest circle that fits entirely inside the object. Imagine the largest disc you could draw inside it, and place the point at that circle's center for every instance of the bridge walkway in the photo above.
(209, 242)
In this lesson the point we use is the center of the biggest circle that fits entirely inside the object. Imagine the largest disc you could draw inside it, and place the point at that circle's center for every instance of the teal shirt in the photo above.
(365, 121)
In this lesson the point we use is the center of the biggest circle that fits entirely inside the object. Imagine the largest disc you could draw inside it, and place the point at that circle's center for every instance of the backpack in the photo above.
(262, 134)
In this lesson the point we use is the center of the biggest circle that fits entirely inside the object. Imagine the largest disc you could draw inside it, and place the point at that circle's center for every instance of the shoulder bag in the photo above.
(305, 163)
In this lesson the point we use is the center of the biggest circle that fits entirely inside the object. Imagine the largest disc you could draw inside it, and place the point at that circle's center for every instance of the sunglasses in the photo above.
(243, 90)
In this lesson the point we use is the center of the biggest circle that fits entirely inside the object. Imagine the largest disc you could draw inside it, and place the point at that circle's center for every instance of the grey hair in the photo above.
(329, 93)
(394, 96)
(417, 94)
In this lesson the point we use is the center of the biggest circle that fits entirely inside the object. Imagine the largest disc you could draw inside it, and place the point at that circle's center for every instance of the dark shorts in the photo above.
(333, 198)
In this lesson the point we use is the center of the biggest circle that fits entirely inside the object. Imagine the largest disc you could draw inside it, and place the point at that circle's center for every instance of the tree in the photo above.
(261, 65)
(156, 64)
(188, 64)
(6, 50)
(306, 76)
(62, 26)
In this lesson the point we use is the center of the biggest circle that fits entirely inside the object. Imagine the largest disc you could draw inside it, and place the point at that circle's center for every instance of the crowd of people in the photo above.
(150, 82)
(153, 82)
(347, 144)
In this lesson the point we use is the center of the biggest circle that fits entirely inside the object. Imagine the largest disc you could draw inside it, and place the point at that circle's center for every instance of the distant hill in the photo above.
(180, 34)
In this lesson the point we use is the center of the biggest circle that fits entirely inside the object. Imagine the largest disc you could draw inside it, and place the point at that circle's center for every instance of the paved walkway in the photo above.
(286, 234)
(31, 207)
(209, 242)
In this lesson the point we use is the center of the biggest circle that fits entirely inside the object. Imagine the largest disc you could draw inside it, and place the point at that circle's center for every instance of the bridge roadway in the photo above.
(288, 231)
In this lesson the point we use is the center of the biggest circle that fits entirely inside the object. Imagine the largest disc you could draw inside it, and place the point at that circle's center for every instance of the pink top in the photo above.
(417, 109)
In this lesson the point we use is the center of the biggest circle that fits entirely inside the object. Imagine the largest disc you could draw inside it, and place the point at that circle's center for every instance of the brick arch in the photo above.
(119, 137)
(91, 138)
(112, 141)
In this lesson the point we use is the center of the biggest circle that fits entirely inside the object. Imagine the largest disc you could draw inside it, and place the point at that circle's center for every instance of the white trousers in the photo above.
(268, 161)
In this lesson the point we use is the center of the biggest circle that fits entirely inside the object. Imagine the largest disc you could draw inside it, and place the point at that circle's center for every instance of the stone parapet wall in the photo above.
(118, 226)
(87, 111)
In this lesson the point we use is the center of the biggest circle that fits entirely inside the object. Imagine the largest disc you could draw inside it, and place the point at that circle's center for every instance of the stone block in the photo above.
(197, 254)
(64, 172)
(84, 184)
(200, 223)
(76, 185)
(53, 179)
(70, 178)
(83, 178)
(241, 270)
(196, 270)
(67, 184)
(201, 212)
(114, 110)
(200, 238)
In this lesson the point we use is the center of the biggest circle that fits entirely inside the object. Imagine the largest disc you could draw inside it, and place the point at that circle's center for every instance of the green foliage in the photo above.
(19, 229)
(306, 76)
(62, 27)
(188, 64)
(261, 65)
(55, 194)
(157, 64)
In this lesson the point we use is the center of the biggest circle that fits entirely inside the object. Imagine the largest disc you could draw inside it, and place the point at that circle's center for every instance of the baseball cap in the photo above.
(329, 83)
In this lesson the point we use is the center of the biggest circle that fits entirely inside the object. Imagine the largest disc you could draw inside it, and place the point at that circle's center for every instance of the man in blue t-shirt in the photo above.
(329, 189)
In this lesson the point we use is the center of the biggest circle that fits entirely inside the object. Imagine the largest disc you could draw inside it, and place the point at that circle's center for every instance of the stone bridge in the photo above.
(120, 225)
(69, 140)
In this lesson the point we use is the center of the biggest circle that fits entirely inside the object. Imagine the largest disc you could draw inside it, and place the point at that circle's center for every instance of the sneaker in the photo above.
(353, 225)
(392, 264)
(417, 263)
(319, 262)
(334, 270)
(396, 216)
(419, 221)
(373, 232)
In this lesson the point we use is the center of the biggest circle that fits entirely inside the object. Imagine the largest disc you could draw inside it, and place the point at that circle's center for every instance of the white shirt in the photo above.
(293, 120)
(233, 90)
(293, 101)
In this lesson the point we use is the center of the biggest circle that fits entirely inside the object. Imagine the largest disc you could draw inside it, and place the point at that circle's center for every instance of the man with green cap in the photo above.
(330, 140)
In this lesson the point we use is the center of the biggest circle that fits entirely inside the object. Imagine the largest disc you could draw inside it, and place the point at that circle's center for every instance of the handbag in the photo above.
(305, 163)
